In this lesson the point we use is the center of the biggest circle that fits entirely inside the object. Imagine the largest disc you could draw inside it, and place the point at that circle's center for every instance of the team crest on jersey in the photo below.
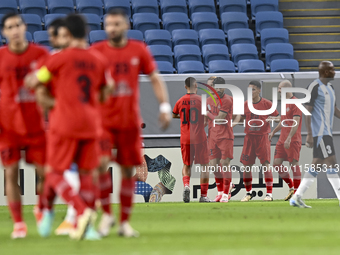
(134, 61)
(122, 89)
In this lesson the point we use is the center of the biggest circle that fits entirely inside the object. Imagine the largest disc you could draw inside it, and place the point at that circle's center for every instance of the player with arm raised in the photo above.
(319, 125)
(121, 115)
(221, 139)
(194, 145)
(289, 144)
(21, 120)
(256, 142)
(75, 124)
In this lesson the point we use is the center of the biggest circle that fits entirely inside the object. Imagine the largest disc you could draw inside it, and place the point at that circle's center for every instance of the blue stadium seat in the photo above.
(158, 37)
(93, 21)
(233, 6)
(243, 51)
(33, 7)
(50, 17)
(145, 21)
(221, 66)
(284, 65)
(278, 51)
(174, 6)
(97, 36)
(175, 20)
(161, 53)
(184, 36)
(240, 35)
(165, 67)
(190, 67)
(263, 6)
(0, 40)
(232, 20)
(187, 53)
(273, 35)
(214, 52)
(268, 20)
(60, 6)
(29, 36)
(7, 6)
(204, 20)
(201, 6)
(250, 66)
(33, 22)
(122, 4)
(135, 34)
(145, 6)
(41, 37)
(90, 6)
(211, 36)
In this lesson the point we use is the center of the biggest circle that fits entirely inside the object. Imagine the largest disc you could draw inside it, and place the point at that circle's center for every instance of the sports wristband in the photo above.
(165, 107)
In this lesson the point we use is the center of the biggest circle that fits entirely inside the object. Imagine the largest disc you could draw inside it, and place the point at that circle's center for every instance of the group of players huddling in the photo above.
(91, 98)
(216, 151)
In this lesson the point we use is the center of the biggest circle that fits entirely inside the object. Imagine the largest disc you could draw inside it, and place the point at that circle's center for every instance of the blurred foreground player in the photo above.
(322, 106)
(289, 145)
(194, 145)
(121, 115)
(75, 125)
(256, 142)
(221, 138)
(22, 126)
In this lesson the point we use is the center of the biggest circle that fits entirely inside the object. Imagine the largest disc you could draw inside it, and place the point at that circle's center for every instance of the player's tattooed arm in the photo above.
(308, 120)
(337, 112)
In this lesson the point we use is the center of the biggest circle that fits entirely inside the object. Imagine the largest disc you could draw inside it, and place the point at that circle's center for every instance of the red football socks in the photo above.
(284, 174)
(105, 187)
(15, 209)
(126, 197)
(87, 190)
(186, 181)
(297, 176)
(268, 178)
(227, 181)
(204, 189)
(219, 184)
(247, 181)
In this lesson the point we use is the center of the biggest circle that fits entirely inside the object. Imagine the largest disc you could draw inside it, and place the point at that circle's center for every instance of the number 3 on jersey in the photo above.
(84, 83)
(192, 114)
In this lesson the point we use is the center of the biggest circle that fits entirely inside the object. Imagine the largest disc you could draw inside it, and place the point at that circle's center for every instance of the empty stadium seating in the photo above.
(97, 36)
(211, 36)
(122, 4)
(204, 20)
(161, 53)
(278, 51)
(190, 67)
(243, 51)
(33, 22)
(232, 20)
(184, 36)
(145, 6)
(41, 37)
(240, 35)
(7, 6)
(158, 37)
(233, 6)
(214, 52)
(145, 21)
(93, 21)
(250, 66)
(268, 20)
(165, 67)
(284, 65)
(201, 6)
(173, 6)
(221, 66)
(60, 6)
(135, 34)
(175, 20)
(187, 53)
(37, 7)
(50, 17)
(90, 6)
(273, 35)
(29, 36)
(263, 6)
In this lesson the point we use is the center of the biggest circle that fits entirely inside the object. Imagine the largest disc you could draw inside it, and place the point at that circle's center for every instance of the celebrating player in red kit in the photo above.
(21, 120)
(194, 145)
(256, 142)
(289, 144)
(121, 115)
(221, 138)
(75, 124)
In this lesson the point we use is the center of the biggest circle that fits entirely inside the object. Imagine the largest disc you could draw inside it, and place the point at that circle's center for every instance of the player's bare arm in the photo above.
(175, 116)
(292, 132)
(44, 99)
(161, 94)
(108, 89)
(276, 129)
(236, 119)
(31, 81)
(308, 120)
(337, 112)
(274, 118)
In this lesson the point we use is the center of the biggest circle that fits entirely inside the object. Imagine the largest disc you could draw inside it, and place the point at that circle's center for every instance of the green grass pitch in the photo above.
(252, 228)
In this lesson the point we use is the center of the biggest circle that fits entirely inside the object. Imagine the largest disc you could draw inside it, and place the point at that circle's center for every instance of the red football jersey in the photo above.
(224, 130)
(258, 120)
(19, 112)
(192, 120)
(122, 110)
(291, 111)
(78, 76)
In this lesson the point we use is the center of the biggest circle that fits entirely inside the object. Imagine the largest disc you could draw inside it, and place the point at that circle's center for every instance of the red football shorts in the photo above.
(221, 149)
(11, 145)
(255, 146)
(288, 155)
(128, 144)
(63, 151)
(195, 152)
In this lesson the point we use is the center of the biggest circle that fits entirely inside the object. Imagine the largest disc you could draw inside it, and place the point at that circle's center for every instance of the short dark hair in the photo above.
(76, 24)
(189, 81)
(256, 84)
(56, 24)
(219, 80)
(10, 15)
(118, 12)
